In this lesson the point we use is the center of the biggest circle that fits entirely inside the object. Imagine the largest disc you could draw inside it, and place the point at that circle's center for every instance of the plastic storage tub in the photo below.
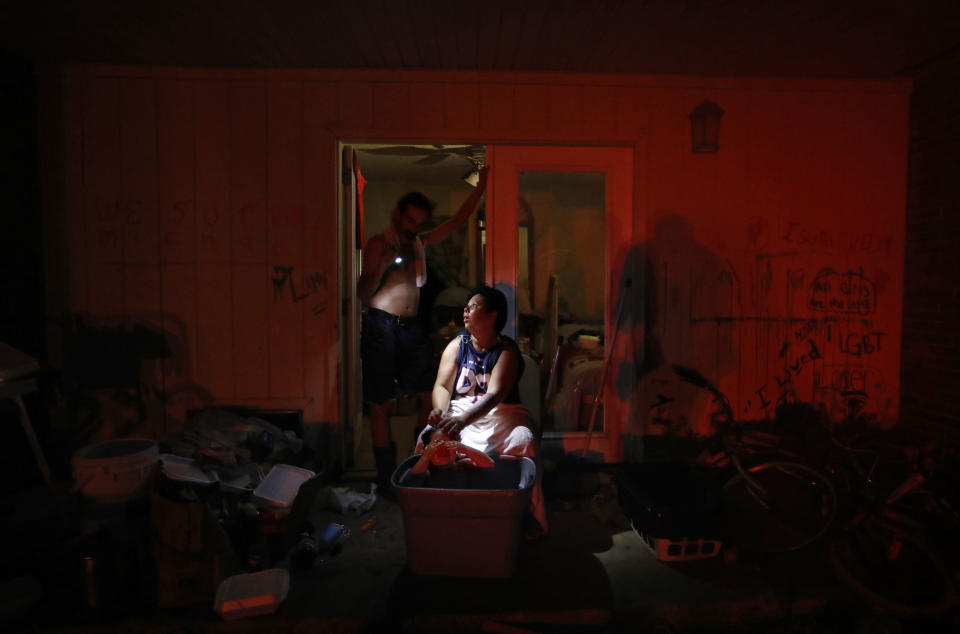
(252, 593)
(675, 510)
(117, 470)
(464, 523)
(280, 487)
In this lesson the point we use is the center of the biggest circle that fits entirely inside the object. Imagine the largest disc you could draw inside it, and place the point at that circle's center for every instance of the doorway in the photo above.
(446, 174)
(552, 234)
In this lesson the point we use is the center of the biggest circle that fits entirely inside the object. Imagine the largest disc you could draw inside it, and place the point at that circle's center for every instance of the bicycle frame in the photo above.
(885, 553)
(756, 490)
(896, 526)
(781, 504)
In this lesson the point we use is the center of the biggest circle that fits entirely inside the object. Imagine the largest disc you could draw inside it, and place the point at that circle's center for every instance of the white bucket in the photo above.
(116, 470)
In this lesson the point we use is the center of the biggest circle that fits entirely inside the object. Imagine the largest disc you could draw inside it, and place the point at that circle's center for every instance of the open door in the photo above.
(559, 224)
(351, 187)
(374, 176)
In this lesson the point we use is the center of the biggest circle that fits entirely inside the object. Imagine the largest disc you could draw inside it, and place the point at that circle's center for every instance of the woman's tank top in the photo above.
(474, 369)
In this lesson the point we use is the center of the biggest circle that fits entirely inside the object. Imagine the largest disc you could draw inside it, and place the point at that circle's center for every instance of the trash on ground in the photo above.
(253, 593)
(351, 502)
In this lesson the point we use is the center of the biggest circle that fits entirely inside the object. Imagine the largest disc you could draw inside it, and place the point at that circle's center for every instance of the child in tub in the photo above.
(443, 452)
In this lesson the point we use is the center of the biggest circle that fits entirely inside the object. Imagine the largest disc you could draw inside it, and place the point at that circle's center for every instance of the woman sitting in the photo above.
(476, 398)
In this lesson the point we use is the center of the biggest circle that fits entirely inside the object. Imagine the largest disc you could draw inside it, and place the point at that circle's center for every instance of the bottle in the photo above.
(91, 591)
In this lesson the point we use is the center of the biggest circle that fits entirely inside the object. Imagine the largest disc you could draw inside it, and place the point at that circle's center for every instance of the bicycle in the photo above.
(886, 552)
(775, 501)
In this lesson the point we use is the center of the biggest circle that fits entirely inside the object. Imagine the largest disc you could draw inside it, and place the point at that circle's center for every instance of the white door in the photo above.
(559, 224)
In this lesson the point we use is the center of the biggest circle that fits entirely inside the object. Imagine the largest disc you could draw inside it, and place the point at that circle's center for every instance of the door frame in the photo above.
(349, 263)
(502, 253)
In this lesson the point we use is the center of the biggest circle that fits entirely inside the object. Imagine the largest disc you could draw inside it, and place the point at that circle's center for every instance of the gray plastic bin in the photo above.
(465, 522)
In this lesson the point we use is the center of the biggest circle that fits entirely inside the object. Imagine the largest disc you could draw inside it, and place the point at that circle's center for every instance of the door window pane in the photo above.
(561, 291)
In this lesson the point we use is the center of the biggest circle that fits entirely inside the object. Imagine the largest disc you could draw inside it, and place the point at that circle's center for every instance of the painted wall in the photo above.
(776, 265)
(203, 204)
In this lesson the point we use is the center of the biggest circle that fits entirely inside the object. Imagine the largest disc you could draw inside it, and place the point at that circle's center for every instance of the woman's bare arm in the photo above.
(443, 386)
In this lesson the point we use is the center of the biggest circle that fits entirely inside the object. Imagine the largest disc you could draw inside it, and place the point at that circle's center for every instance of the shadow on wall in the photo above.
(99, 357)
(674, 308)
(108, 390)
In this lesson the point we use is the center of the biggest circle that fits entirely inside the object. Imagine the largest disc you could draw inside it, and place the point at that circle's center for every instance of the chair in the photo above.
(18, 377)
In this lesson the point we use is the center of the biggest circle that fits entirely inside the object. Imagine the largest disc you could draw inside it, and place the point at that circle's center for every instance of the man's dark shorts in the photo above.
(394, 350)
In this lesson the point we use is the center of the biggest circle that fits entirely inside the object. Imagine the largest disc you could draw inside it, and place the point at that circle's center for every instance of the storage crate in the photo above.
(680, 549)
(279, 489)
(674, 509)
(465, 522)
(252, 593)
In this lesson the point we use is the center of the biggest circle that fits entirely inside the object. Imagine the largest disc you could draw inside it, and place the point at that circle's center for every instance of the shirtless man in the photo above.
(393, 346)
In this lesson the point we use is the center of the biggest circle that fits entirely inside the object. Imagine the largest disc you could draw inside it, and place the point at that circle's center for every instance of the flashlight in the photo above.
(397, 260)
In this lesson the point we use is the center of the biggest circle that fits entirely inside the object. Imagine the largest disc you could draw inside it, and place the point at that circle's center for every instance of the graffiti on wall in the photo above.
(857, 342)
(833, 358)
(843, 293)
(866, 242)
(315, 285)
(808, 328)
(210, 226)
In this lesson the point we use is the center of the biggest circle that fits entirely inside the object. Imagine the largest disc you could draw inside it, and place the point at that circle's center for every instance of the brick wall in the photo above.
(931, 308)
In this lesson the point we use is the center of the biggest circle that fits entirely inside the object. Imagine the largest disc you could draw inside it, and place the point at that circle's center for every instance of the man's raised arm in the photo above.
(462, 214)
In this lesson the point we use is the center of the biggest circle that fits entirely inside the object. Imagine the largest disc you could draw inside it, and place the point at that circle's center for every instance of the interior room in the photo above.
(708, 384)
(446, 173)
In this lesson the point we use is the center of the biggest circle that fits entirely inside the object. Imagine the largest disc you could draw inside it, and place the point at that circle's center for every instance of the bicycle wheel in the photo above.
(780, 507)
(914, 584)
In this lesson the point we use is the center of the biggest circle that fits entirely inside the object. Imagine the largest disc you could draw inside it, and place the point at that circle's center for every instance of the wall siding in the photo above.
(206, 205)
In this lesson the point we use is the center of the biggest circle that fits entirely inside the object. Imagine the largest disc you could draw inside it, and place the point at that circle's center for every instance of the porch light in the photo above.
(705, 127)
(472, 177)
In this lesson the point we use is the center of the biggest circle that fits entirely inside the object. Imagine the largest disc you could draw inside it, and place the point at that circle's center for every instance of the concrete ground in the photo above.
(589, 573)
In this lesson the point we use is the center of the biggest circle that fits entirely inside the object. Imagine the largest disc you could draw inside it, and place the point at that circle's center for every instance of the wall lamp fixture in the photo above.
(705, 127)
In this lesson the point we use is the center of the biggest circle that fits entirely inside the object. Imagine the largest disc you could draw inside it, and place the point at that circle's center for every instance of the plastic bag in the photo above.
(352, 502)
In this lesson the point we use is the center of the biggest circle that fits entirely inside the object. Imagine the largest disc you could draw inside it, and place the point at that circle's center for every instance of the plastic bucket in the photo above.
(116, 470)
(488, 505)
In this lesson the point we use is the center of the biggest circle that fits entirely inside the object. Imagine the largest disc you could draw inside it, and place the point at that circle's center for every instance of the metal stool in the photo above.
(17, 377)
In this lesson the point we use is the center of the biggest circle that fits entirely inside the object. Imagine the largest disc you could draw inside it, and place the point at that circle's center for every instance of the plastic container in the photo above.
(182, 469)
(681, 549)
(464, 523)
(279, 488)
(116, 470)
(252, 593)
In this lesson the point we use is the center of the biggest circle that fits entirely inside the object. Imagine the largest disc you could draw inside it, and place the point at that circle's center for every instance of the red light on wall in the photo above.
(705, 127)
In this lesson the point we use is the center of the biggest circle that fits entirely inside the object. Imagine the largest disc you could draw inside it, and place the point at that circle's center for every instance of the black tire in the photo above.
(796, 507)
(913, 585)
